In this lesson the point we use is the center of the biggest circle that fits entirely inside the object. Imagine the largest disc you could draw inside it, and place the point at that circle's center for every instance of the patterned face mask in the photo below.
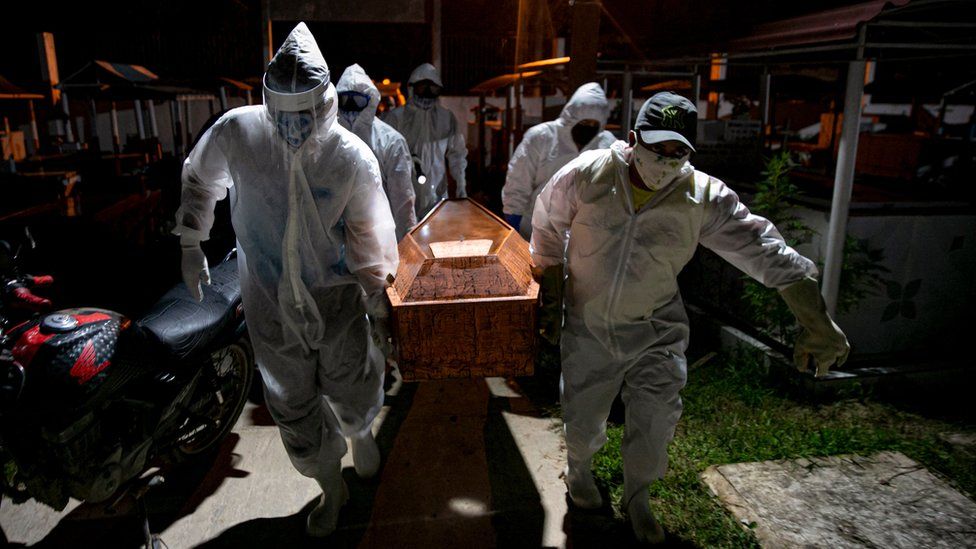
(657, 171)
(294, 127)
(349, 116)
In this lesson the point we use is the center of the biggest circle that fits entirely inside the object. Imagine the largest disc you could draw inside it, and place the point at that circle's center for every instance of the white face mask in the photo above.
(657, 171)
(424, 102)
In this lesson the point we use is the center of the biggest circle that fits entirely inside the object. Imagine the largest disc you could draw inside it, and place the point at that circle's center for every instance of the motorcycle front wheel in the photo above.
(225, 389)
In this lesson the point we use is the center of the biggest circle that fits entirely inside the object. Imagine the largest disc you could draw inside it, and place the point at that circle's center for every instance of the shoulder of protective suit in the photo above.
(387, 133)
(242, 115)
(710, 188)
(591, 166)
(541, 131)
(606, 139)
(352, 149)
(234, 121)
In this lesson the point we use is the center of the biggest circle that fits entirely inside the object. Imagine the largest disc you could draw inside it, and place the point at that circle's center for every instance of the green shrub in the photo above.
(861, 269)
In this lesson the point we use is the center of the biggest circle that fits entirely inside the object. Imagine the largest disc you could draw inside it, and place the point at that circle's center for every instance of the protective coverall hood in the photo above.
(425, 72)
(297, 76)
(587, 102)
(355, 79)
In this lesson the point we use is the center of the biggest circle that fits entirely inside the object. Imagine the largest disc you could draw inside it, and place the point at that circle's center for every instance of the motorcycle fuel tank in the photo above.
(66, 356)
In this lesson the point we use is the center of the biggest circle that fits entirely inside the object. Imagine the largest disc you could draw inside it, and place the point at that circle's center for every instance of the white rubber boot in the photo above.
(646, 527)
(582, 488)
(365, 455)
(321, 521)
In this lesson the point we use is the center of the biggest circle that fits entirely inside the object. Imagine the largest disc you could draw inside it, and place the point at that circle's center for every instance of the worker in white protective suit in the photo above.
(633, 216)
(435, 138)
(315, 244)
(549, 146)
(358, 99)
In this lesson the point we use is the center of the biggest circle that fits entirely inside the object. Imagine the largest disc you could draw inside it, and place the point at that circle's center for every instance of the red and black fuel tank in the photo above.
(68, 356)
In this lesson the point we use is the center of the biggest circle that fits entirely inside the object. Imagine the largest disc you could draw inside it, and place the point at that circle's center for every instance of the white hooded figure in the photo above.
(358, 98)
(625, 221)
(435, 138)
(316, 243)
(548, 146)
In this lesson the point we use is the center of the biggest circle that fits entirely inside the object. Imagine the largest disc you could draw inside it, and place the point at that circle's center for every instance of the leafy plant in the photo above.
(861, 269)
(763, 305)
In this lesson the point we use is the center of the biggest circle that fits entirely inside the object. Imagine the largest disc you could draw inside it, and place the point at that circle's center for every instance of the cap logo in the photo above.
(671, 118)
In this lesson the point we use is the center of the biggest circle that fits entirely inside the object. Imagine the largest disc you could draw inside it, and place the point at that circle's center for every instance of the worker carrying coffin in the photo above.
(633, 216)
(549, 146)
(316, 244)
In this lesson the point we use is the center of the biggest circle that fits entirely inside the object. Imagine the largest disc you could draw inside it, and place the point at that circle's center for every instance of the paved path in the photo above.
(466, 464)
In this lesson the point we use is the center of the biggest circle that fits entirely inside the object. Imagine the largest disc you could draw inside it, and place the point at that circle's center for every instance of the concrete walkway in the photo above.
(469, 463)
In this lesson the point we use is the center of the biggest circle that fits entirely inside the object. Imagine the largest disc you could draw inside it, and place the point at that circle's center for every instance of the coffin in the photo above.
(464, 301)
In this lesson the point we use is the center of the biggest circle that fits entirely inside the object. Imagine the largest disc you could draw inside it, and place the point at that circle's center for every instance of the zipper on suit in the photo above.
(615, 288)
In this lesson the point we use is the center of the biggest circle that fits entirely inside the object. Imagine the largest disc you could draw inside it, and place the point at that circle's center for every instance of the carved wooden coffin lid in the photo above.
(461, 251)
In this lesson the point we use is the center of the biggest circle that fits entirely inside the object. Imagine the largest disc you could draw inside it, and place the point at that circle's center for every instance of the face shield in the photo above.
(296, 113)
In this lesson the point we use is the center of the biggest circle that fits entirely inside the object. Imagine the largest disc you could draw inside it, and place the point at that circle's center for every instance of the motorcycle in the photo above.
(90, 400)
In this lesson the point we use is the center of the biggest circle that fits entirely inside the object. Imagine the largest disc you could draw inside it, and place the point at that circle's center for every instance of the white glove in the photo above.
(821, 339)
(378, 309)
(195, 268)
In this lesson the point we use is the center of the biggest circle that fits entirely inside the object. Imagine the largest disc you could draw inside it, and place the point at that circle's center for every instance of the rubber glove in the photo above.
(378, 309)
(821, 339)
(550, 302)
(195, 269)
(513, 220)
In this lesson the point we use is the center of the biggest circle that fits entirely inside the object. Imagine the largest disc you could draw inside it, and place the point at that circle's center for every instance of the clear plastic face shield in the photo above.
(296, 115)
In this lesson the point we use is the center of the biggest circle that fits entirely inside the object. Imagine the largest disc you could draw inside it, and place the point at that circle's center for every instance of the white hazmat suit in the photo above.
(548, 146)
(314, 231)
(387, 144)
(435, 138)
(625, 325)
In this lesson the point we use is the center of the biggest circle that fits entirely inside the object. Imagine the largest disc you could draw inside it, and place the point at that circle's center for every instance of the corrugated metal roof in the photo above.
(824, 26)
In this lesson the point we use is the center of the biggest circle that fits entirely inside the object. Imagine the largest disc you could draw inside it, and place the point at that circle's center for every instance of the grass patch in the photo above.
(732, 414)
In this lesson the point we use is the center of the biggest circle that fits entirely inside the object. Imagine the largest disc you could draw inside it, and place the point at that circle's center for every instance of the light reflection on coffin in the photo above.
(464, 301)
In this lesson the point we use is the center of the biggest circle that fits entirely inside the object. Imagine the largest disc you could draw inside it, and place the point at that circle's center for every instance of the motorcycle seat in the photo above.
(184, 326)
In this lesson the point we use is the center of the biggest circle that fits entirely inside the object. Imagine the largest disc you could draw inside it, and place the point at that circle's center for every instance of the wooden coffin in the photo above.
(464, 301)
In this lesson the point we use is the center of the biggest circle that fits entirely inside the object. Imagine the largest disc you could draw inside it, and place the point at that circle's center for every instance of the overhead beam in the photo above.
(584, 41)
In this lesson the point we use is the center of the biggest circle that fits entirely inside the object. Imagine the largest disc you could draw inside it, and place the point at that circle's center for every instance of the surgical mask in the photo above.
(349, 116)
(657, 171)
(294, 127)
(583, 133)
(424, 102)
